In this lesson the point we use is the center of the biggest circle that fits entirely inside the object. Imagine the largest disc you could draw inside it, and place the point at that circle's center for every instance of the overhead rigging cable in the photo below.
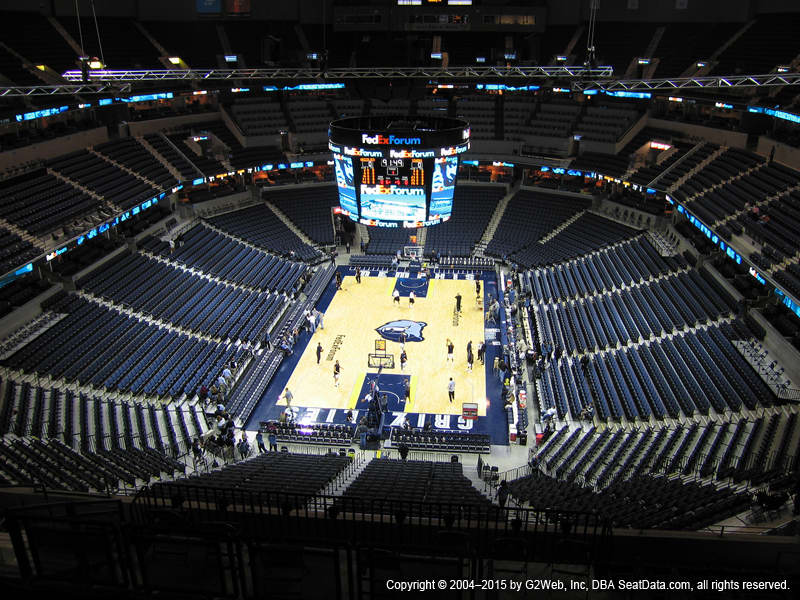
(97, 28)
(591, 50)
(80, 29)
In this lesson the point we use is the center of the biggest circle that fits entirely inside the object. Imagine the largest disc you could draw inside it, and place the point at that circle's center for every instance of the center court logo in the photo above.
(413, 329)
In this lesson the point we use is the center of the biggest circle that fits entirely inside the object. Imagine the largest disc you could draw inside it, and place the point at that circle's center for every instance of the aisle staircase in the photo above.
(495, 221)
(288, 222)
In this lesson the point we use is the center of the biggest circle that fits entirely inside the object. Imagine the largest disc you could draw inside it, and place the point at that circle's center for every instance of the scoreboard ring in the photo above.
(397, 171)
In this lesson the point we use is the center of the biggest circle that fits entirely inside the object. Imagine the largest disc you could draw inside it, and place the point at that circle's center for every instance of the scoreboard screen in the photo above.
(443, 185)
(397, 178)
(393, 189)
(345, 181)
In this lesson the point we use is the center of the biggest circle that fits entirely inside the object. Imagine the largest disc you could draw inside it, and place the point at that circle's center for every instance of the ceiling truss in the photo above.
(434, 72)
(578, 78)
(16, 91)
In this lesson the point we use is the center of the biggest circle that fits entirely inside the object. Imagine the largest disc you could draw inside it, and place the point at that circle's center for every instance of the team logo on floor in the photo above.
(392, 330)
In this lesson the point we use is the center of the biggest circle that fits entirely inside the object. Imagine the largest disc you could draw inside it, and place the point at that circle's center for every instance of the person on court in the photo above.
(450, 348)
(287, 395)
(396, 297)
(407, 390)
(403, 360)
(337, 369)
(411, 298)
(481, 351)
(469, 347)
(470, 360)
(358, 274)
(478, 290)
(402, 340)
(458, 302)
(319, 352)
(451, 389)
(338, 280)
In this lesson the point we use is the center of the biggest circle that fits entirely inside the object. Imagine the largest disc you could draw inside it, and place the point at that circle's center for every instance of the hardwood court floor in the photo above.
(349, 336)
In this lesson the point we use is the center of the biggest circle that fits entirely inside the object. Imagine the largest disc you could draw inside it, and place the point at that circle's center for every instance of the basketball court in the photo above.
(361, 314)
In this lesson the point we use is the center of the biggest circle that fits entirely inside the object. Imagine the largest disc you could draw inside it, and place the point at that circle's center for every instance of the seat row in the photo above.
(309, 208)
(228, 259)
(260, 226)
(630, 262)
(40, 203)
(184, 299)
(451, 441)
(416, 481)
(529, 216)
(683, 375)
(473, 207)
(269, 473)
(101, 347)
(628, 316)
(52, 464)
(585, 234)
(103, 178)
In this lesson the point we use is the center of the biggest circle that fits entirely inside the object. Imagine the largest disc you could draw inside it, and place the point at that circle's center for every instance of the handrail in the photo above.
(207, 503)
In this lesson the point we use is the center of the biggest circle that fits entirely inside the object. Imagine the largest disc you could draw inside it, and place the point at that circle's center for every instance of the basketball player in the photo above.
(407, 389)
(450, 348)
(402, 340)
(396, 297)
(411, 298)
(338, 280)
(403, 360)
(451, 389)
(478, 290)
(337, 369)
(358, 274)
(319, 351)
(458, 302)
(470, 360)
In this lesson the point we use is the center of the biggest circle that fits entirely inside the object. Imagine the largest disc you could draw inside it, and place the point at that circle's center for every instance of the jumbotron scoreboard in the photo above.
(397, 171)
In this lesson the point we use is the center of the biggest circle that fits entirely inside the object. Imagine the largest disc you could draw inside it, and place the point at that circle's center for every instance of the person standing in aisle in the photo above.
(502, 493)
(451, 389)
